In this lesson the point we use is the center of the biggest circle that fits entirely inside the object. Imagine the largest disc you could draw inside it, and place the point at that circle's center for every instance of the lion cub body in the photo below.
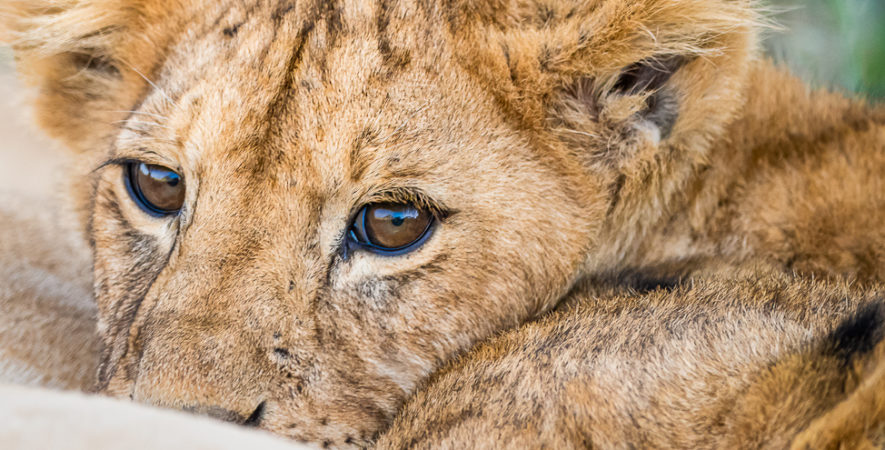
(738, 362)
(556, 142)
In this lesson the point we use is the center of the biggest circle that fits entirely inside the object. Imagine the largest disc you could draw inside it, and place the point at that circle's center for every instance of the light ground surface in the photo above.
(79, 422)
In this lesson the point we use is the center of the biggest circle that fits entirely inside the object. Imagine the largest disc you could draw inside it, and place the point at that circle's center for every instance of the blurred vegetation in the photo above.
(832, 43)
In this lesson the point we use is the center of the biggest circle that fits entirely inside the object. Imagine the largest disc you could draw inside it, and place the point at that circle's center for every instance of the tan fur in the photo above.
(859, 420)
(724, 363)
(565, 141)
(47, 317)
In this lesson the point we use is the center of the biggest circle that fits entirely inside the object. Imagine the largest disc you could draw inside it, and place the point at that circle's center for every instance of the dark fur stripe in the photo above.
(860, 333)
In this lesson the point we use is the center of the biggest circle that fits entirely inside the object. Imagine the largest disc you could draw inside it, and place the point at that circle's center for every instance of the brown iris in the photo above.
(391, 227)
(157, 189)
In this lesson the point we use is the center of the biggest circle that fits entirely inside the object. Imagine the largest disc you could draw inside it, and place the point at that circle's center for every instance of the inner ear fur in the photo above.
(601, 116)
(648, 78)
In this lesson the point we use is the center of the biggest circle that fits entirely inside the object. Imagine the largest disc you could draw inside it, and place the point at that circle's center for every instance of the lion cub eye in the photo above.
(156, 189)
(391, 228)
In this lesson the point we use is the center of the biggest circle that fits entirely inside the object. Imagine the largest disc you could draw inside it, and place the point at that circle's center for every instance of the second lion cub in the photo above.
(751, 360)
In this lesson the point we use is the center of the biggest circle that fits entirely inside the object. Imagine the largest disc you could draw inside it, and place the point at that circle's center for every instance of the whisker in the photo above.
(143, 136)
(157, 88)
(155, 140)
(158, 116)
(155, 124)
(582, 133)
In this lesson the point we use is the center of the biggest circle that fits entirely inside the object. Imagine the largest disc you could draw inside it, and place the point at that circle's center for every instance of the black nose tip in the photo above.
(254, 419)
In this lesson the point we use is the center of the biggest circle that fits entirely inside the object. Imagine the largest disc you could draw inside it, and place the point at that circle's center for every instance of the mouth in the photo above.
(254, 419)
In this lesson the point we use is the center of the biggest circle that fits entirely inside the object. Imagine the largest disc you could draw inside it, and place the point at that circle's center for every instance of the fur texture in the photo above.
(737, 362)
(559, 141)
(47, 316)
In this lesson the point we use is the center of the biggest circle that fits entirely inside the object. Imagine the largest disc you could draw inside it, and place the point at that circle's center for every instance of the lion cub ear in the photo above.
(75, 54)
(611, 118)
(648, 79)
(613, 79)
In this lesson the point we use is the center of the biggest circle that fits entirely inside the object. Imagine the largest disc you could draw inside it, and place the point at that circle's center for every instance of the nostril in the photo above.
(255, 418)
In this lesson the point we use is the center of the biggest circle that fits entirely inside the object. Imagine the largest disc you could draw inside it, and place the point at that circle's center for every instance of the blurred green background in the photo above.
(832, 43)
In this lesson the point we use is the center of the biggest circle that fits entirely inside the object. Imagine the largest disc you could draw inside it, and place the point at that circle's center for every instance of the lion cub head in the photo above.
(299, 209)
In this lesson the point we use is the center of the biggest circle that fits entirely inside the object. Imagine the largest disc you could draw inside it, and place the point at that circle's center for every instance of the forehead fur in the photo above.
(522, 50)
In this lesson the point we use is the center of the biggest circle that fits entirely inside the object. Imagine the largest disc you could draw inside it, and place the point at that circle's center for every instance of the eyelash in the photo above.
(405, 196)
(123, 161)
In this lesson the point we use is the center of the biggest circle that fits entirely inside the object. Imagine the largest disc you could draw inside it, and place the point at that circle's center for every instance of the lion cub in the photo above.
(753, 361)
(300, 209)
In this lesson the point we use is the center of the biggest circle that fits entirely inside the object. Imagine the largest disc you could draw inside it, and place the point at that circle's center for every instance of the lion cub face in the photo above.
(300, 210)
(297, 232)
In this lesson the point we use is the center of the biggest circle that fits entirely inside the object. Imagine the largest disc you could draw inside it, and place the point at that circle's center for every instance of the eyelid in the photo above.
(409, 195)
(359, 231)
(146, 157)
